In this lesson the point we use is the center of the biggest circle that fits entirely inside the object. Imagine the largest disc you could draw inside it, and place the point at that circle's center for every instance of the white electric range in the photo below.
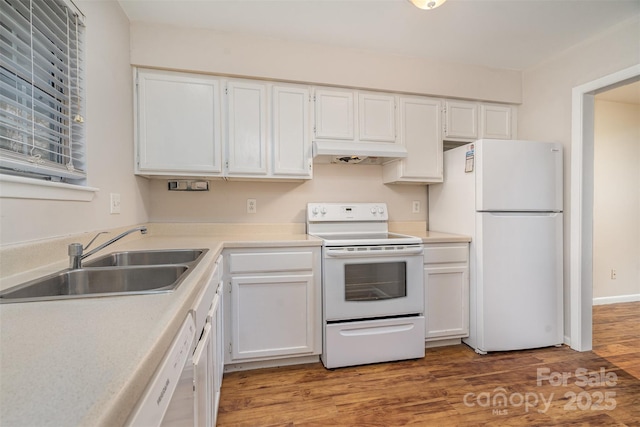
(372, 285)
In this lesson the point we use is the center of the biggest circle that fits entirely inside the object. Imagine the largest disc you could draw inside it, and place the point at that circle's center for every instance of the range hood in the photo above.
(370, 153)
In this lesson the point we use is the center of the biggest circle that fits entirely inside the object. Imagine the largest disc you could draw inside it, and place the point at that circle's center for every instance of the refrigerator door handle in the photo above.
(527, 213)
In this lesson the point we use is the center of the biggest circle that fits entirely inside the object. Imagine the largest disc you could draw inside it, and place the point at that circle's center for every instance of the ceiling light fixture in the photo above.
(427, 4)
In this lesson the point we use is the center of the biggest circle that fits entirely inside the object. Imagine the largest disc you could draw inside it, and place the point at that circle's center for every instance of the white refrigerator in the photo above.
(507, 195)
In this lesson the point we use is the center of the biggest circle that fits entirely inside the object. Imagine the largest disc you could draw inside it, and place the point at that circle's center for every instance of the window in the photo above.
(41, 90)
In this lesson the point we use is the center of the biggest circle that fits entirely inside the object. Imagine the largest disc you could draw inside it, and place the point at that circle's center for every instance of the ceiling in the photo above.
(511, 34)
(628, 94)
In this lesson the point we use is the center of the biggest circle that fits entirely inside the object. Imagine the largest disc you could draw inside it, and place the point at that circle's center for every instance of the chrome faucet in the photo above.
(76, 250)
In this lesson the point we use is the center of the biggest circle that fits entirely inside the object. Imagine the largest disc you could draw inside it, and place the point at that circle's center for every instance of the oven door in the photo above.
(371, 282)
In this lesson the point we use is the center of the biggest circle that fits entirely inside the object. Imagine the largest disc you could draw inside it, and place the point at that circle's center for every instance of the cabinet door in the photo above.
(420, 134)
(271, 316)
(495, 121)
(203, 379)
(291, 132)
(215, 344)
(334, 114)
(220, 340)
(177, 123)
(461, 120)
(377, 117)
(246, 132)
(446, 302)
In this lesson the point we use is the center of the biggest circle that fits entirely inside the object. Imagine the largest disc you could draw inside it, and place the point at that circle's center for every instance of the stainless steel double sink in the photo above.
(118, 273)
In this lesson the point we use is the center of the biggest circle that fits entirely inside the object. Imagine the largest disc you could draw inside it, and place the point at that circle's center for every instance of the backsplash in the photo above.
(15, 259)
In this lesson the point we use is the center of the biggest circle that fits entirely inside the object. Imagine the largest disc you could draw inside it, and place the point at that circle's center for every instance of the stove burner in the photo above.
(353, 224)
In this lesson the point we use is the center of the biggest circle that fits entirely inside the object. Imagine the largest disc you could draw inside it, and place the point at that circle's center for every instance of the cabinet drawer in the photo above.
(449, 253)
(373, 341)
(270, 262)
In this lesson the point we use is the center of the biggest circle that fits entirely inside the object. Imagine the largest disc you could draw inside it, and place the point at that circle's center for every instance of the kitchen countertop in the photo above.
(438, 237)
(87, 361)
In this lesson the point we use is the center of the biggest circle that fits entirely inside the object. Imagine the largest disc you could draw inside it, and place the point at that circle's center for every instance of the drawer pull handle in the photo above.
(377, 330)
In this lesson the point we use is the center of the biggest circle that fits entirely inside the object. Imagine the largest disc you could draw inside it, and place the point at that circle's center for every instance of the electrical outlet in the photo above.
(251, 206)
(115, 203)
(614, 274)
(415, 206)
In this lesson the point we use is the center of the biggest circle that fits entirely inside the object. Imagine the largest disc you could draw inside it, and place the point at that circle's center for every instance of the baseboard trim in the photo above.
(616, 299)
(272, 363)
(442, 343)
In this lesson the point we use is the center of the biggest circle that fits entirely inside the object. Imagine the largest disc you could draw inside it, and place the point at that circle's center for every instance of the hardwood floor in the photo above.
(454, 386)
(616, 335)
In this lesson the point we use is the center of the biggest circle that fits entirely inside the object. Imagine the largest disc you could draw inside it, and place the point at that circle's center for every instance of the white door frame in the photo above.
(581, 232)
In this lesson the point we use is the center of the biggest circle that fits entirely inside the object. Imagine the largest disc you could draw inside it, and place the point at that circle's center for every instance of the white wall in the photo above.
(616, 213)
(546, 110)
(283, 202)
(109, 121)
(240, 55)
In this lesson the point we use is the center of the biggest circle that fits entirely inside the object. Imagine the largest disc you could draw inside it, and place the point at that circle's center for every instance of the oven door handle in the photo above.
(341, 253)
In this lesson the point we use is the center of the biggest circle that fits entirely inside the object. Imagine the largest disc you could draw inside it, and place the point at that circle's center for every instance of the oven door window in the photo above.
(375, 281)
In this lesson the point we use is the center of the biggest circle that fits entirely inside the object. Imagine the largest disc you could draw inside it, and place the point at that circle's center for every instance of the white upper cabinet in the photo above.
(377, 117)
(204, 126)
(461, 120)
(352, 115)
(191, 125)
(178, 124)
(291, 131)
(468, 121)
(269, 133)
(495, 121)
(246, 128)
(335, 114)
(419, 126)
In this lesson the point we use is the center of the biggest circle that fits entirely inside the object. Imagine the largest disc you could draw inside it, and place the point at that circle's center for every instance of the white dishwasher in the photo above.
(152, 407)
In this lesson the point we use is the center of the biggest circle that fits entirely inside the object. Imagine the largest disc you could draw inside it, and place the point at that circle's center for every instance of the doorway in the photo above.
(616, 217)
(582, 186)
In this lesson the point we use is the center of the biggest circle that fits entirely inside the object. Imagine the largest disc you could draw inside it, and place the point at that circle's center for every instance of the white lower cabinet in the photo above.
(270, 316)
(272, 304)
(216, 351)
(207, 377)
(203, 379)
(446, 280)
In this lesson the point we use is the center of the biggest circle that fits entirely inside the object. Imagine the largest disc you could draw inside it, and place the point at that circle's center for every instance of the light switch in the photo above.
(115, 203)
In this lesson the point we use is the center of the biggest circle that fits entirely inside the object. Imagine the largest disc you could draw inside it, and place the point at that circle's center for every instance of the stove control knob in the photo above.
(373, 211)
(381, 210)
(316, 210)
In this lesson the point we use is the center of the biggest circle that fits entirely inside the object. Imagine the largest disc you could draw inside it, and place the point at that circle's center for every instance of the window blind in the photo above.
(41, 89)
